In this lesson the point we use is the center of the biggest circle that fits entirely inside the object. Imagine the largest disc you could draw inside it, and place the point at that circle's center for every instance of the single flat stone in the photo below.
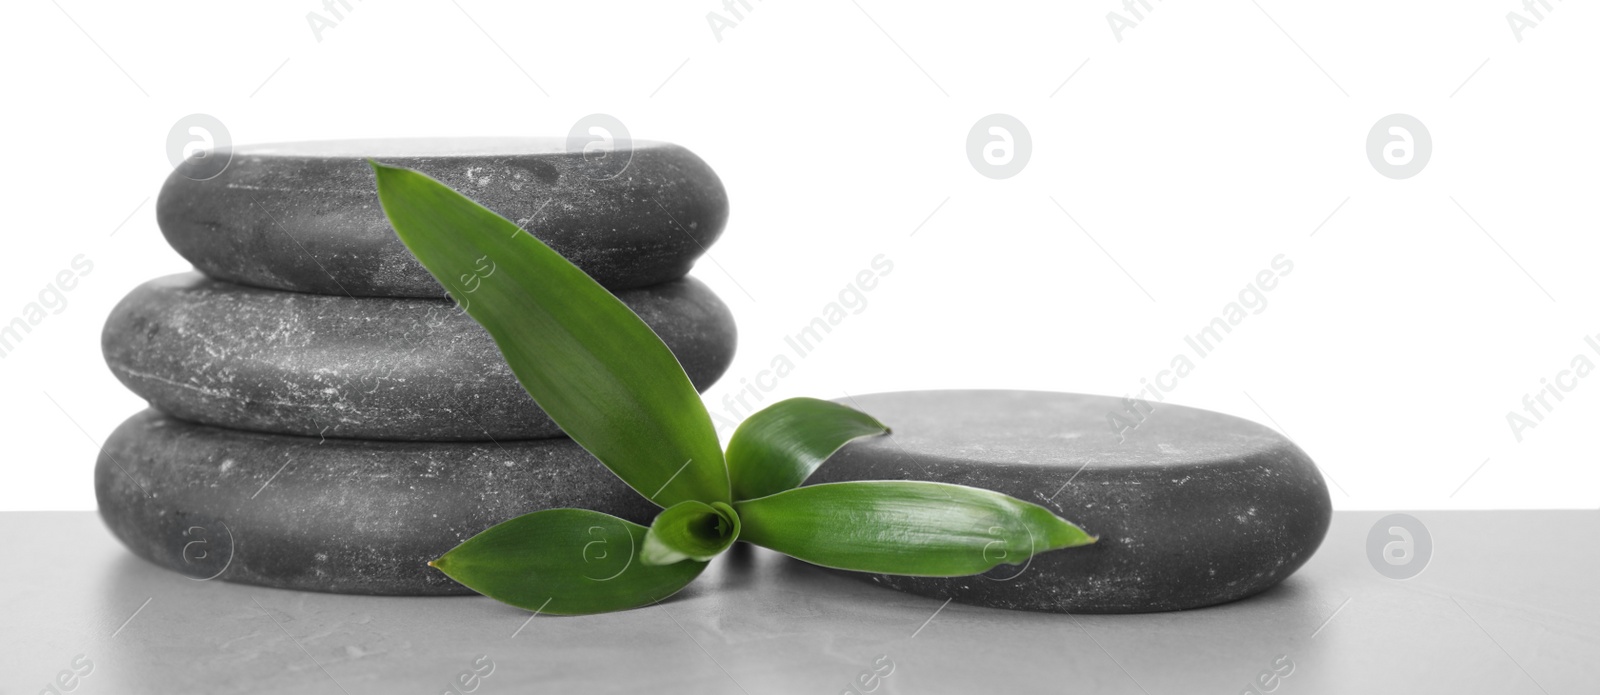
(217, 353)
(341, 516)
(1193, 508)
(305, 216)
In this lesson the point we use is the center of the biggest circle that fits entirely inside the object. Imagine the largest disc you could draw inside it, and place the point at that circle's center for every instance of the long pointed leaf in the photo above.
(904, 527)
(584, 356)
(778, 448)
(564, 562)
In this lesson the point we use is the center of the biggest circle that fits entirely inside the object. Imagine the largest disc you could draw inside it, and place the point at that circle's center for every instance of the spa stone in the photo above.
(1192, 508)
(305, 216)
(334, 515)
(223, 354)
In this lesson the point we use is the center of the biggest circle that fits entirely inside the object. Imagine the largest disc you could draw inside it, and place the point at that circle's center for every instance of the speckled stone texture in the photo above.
(399, 369)
(305, 216)
(335, 516)
(1194, 508)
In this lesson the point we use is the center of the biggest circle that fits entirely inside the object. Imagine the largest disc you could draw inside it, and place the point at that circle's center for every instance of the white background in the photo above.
(1192, 151)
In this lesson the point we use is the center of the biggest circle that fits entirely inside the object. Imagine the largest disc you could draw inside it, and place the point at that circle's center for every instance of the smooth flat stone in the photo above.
(1194, 508)
(369, 368)
(305, 216)
(332, 515)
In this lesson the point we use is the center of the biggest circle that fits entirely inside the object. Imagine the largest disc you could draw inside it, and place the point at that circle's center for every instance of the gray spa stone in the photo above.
(340, 516)
(305, 216)
(372, 368)
(1193, 508)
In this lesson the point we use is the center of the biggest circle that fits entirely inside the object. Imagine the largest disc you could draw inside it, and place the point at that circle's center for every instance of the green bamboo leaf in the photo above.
(912, 528)
(584, 356)
(776, 449)
(690, 531)
(564, 562)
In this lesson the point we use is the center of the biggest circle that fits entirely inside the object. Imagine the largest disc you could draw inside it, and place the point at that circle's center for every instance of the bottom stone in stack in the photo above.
(337, 515)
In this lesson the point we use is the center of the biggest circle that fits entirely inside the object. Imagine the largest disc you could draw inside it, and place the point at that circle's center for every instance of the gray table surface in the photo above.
(1506, 604)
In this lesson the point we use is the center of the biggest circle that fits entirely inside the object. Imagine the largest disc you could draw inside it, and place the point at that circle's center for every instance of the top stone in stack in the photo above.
(305, 216)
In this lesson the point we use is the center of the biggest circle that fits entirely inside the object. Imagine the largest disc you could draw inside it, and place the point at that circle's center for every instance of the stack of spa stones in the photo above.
(324, 416)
